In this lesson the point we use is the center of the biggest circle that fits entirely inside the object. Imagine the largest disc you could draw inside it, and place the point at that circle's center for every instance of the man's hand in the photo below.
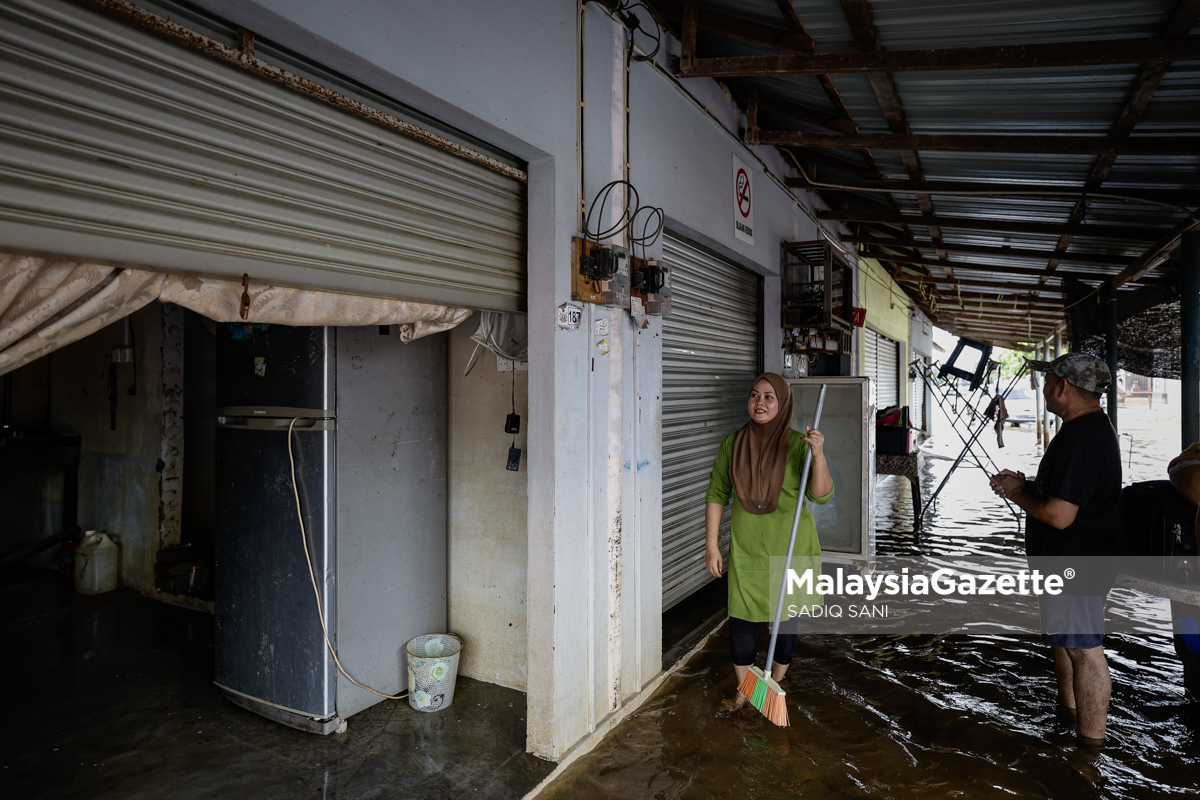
(1053, 511)
(714, 562)
(1008, 484)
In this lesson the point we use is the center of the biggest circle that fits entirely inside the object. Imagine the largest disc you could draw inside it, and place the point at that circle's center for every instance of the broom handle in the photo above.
(792, 542)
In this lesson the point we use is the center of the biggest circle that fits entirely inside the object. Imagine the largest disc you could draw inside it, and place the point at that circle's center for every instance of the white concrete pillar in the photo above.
(595, 516)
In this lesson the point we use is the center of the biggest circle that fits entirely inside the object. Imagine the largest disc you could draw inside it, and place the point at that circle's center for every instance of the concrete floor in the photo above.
(112, 697)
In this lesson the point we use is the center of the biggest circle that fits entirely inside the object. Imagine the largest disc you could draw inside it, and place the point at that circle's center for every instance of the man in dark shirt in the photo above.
(1073, 508)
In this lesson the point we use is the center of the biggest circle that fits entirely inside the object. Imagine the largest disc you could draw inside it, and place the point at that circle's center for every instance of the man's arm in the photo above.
(1053, 511)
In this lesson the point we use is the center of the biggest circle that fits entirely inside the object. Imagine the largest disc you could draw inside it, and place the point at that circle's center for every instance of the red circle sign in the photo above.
(742, 192)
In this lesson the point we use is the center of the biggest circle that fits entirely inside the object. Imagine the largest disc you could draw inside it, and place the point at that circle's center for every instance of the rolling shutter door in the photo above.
(711, 353)
(881, 364)
(119, 144)
(889, 365)
(871, 356)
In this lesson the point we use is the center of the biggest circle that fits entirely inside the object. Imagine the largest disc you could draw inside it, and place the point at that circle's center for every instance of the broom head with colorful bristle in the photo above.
(765, 695)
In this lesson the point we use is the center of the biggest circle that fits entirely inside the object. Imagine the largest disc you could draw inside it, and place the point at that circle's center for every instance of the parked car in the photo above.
(1021, 404)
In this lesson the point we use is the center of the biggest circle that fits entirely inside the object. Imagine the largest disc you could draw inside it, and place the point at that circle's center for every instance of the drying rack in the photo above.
(967, 422)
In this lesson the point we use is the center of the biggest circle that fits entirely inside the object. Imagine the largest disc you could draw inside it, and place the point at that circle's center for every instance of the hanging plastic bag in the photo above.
(506, 335)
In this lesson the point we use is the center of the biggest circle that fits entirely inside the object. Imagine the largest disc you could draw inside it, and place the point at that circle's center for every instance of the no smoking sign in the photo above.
(742, 182)
(743, 202)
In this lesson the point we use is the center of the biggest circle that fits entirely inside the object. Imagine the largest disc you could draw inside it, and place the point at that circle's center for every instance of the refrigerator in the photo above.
(369, 453)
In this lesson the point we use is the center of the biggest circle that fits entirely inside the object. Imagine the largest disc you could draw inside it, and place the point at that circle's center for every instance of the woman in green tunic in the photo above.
(758, 467)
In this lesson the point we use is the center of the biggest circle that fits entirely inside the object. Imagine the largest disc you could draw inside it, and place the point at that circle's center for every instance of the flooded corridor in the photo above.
(922, 716)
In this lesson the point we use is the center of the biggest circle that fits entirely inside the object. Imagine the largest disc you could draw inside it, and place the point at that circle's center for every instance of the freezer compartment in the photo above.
(269, 644)
(274, 368)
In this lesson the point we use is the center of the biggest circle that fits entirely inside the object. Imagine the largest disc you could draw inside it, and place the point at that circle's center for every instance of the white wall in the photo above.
(487, 515)
(920, 333)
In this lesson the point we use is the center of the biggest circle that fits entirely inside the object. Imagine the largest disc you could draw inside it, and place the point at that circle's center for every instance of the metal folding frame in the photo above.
(943, 393)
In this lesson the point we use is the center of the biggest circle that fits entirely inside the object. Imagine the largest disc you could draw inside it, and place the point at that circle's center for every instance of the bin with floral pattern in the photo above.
(432, 670)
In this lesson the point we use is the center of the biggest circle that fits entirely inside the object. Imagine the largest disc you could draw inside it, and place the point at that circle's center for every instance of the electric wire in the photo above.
(632, 202)
(313, 577)
(624, 12)
(633, 207)
(648, 238)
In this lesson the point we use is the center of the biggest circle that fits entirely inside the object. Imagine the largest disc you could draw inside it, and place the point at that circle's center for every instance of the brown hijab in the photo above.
(760, 453)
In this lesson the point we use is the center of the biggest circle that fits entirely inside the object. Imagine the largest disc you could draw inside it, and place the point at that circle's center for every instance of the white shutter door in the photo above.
(881, 364)
(711, 346)
(888, 368)
(119, 144)
(871, 357)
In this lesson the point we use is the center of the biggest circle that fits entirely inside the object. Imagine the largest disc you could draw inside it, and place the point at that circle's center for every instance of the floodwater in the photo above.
(924, 716)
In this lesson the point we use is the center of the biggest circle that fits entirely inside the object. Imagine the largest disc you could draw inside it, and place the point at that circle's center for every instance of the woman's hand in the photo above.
(816, 441)
(820, 481)
(714, 562)
(712, 529)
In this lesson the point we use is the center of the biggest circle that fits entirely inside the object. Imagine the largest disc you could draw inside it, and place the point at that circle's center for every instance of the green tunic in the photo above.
(758, 537)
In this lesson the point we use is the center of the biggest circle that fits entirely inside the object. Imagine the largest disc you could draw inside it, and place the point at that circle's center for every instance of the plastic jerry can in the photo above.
(95, 564)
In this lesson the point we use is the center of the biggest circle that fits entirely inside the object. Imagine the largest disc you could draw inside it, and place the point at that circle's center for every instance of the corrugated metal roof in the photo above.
(1079, 100)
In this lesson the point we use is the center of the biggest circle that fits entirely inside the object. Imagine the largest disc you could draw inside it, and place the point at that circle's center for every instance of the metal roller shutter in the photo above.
(711, 353)
(882, 364)
(119, 144)
(870, 340)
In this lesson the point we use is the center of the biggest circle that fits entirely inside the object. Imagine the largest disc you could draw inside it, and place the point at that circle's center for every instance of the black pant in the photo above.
(743, 642)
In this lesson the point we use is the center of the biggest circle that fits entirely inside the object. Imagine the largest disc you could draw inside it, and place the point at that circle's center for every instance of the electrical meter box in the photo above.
(846, 524)
(658, 288)
(614, 292)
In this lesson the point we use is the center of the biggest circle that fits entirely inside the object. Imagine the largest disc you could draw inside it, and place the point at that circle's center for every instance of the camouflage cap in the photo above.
(1078, 369)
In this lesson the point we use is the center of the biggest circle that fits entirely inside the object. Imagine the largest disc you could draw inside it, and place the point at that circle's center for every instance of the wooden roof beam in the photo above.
(1144, 263)
(796, 42)
(1037, 144)
(835, 100)
(996, 337)
(999, 269)
(1004, 226)
(1023, 302)
(1047, 323)
(1098, 259)
(812, 116)
(1186, 14)
(824, 159)
(986, 189)
(858, 15)
(1089, 53)
(965, 282)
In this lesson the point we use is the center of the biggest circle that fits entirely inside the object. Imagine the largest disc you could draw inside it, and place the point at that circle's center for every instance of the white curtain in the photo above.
(282, 305)
(45, 305)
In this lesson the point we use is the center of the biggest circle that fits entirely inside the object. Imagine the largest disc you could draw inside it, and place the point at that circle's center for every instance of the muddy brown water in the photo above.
(949, 716)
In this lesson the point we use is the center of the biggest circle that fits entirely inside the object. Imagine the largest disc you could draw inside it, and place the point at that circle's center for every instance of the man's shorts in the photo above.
(1072, 620)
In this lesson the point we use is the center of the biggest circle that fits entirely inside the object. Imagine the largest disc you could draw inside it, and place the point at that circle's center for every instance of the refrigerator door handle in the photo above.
(276, 423)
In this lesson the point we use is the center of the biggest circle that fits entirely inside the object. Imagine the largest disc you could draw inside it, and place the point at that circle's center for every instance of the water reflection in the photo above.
(924, 716)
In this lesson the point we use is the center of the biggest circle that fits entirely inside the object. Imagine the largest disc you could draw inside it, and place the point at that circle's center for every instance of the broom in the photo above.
(762, 691)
